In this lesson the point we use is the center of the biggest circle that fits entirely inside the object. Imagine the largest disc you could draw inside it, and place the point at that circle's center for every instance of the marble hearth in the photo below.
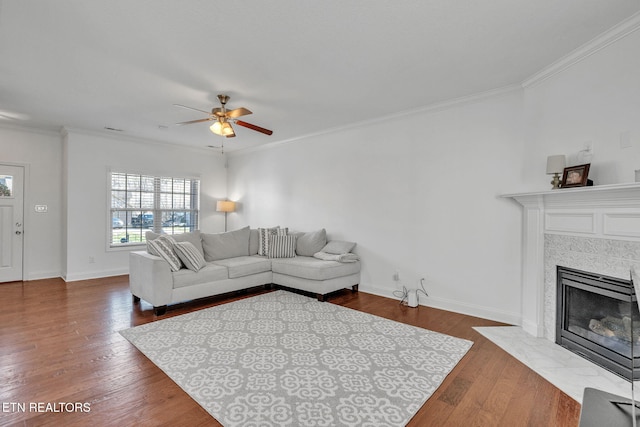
(594, 229)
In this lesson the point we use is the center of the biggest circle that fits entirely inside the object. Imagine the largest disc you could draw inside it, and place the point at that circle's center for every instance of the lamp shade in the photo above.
(225, 206)
(555, 164)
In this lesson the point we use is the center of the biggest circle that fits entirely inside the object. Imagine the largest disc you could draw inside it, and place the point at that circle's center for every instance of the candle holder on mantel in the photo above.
(555, 166)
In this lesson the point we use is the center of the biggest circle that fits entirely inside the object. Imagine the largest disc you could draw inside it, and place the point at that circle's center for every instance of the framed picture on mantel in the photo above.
(575, 176)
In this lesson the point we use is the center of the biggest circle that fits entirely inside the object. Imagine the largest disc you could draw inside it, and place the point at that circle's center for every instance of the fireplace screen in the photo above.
(598, 318)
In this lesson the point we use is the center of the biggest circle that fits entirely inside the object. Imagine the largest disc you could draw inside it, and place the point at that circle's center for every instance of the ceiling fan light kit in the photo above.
(222, 118)
(222, 128)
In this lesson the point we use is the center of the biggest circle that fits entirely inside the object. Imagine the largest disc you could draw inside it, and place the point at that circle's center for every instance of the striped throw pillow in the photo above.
(163, 247)
(190, 255)
(263, 238)
(282, 246)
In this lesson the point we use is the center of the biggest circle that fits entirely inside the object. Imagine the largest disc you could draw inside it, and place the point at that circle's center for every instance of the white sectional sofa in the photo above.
(195, 265)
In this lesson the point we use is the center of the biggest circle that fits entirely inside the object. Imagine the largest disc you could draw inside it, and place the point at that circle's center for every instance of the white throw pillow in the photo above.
(338, 247)
(163, 247)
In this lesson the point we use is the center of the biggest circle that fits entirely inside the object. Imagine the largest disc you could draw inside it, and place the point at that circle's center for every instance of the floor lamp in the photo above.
(225, 206)
(600, 408)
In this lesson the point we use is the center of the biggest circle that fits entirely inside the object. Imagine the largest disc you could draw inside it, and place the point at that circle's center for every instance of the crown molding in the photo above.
(618, 32)
(66, 131)
(431, 108)
(20, 127)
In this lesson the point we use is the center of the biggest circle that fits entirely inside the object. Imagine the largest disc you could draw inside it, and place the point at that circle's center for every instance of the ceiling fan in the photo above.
(223, 119)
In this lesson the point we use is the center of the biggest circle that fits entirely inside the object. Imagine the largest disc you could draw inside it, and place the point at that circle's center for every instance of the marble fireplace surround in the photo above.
(595, 229)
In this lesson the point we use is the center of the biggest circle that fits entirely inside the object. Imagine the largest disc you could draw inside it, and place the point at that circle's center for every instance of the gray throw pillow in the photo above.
(310, 243)
(338, 247)
(226, 245)
(189, 255)
(282, 246)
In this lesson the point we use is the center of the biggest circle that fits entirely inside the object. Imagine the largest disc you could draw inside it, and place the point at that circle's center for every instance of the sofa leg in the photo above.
(354, 288)
(136, 299)
(160, 310)
(321, 298)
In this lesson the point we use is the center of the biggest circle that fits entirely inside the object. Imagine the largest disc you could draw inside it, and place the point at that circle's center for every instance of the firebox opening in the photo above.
(598, 318)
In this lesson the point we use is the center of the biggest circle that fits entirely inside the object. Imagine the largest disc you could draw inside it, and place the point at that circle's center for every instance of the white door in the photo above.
(11, 220)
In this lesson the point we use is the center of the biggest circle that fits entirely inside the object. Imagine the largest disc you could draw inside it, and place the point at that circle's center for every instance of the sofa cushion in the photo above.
(310, 243)
(338, 247)
(313, 268)
(194, 237)
(254, 241)
(226, 245)
(282, 246)
(245, 265)
(209, 273)
(189, 255)
(150, 235)
(163, 247)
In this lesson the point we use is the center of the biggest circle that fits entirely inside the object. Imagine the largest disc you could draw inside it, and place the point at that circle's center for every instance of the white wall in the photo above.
(417, 193)
(40, 153)
(89, 158)
(596, 99)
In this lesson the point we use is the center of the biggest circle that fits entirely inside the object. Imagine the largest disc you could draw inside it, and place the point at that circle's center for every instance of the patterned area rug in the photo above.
(284, 359)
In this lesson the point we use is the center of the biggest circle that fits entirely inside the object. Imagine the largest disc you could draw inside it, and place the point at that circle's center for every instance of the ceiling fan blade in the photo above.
(232, 114)
(191, 108)
(253, 127)
(190, 122)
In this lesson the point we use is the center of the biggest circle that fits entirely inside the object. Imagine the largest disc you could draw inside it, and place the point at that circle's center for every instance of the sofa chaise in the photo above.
(195, 265)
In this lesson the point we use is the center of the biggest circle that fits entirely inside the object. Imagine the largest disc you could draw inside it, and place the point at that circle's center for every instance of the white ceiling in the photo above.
(301, 66)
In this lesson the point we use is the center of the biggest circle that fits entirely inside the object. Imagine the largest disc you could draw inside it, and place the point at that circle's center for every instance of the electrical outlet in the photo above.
(92, 260)
(396, 276)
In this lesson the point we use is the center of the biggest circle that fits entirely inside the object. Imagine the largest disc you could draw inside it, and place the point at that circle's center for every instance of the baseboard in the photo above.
(450, 305)
(95, 274)
(39, 275)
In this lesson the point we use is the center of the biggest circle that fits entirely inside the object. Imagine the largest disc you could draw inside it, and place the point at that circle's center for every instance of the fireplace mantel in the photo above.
(608, 195)
(600, 212)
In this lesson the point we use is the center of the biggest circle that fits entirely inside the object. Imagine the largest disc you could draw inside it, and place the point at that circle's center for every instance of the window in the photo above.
(6, 185)
(141, 203)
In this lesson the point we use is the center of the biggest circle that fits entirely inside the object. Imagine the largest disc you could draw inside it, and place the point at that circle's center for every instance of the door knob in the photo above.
(18, 232)
(18, 224)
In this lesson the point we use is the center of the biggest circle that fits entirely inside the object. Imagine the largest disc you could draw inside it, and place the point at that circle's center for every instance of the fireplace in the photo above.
(586, 228)
(597, 318)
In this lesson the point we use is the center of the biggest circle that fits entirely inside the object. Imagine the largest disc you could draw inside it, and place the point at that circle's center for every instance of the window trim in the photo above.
(110, 246)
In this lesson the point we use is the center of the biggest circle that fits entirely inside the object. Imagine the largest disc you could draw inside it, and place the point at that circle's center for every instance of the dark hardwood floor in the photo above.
(59, 343)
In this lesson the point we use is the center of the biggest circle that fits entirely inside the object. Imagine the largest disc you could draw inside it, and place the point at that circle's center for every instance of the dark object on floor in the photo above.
(600, 408)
